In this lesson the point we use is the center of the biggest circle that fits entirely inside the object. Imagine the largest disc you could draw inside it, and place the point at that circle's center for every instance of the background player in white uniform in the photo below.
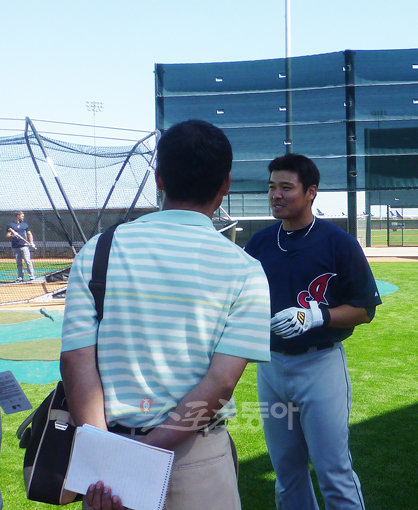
(321, 286)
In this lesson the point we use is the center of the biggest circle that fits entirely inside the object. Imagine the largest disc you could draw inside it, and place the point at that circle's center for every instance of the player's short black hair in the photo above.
(193, 159)
(306, 169)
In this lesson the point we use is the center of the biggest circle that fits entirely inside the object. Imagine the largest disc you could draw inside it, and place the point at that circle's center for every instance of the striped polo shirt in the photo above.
(177, 291)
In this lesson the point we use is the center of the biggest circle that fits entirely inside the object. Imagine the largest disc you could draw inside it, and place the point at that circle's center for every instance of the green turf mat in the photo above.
(43, 350)
(11, 317)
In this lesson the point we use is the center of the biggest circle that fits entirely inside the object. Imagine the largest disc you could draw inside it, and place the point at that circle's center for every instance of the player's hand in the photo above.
(33, 246)
(296, 321)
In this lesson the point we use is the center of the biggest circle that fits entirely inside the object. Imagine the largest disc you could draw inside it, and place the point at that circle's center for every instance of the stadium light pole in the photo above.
(95, 106)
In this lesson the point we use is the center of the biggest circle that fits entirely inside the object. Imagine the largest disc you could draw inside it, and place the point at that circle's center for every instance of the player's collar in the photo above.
(308, 228)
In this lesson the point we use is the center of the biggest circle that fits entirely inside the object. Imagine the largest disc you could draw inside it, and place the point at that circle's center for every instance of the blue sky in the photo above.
(56, 55)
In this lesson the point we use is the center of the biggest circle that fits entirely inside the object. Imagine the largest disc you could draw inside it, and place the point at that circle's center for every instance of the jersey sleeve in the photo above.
(358, 285)
(79, 328)
(247, 330)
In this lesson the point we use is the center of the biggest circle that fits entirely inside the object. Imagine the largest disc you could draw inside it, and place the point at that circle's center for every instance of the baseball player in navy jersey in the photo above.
(321, 287)
(21, 237)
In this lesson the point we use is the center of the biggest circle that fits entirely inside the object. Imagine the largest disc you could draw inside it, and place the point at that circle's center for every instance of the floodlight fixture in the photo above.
(94, 106)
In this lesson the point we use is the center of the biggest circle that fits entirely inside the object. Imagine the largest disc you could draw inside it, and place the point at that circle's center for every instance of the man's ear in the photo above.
(158, 180)
(226, 185)
(312, 192)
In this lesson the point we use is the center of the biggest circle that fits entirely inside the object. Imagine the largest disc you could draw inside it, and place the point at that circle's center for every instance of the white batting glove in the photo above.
(33, 245)
(295, 321)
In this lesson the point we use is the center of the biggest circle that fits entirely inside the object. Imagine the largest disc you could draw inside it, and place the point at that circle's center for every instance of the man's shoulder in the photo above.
(228, 250)
(343, 244)
(86, 253)
(327, 225)
(243, 255)
(334, 230)
(265, 234)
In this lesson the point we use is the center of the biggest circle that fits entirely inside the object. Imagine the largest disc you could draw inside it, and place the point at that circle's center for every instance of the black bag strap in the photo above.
(97, 284)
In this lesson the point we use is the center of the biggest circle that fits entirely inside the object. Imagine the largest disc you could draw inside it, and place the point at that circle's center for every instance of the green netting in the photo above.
(392, 158)
(248, 101)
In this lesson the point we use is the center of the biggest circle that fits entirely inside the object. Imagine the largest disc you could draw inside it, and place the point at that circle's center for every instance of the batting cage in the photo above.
(68, 193)
(355, 113)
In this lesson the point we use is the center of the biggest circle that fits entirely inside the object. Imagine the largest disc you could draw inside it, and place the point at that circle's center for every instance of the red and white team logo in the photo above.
(316, 290)
(146, 405)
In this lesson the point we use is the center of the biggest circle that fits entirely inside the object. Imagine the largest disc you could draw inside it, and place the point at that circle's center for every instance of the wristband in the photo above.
(326, 316)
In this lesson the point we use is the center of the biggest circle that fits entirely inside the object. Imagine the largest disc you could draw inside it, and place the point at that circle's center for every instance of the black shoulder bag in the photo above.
(48, 432)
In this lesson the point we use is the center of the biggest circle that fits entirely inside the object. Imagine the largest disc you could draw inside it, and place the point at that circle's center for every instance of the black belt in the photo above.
(143, 431)
(302, 349)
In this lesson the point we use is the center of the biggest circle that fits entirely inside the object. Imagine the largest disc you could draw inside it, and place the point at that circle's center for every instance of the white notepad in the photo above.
(136, 472)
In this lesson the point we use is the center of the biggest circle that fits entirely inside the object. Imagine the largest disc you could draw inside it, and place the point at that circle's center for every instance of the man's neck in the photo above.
(206, 209)
(297, 224)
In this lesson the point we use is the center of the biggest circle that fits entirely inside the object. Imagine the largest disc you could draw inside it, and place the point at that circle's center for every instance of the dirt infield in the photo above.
(56, 304)
(392, 259)
(14, 293)
(391, 253)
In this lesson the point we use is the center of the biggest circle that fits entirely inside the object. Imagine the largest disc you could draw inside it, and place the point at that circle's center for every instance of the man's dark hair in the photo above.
(193, 159)
(306, 169)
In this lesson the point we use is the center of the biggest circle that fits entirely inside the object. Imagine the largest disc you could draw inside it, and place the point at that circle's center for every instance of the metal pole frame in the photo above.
(128, 157)
(233, 223)
(57, 214)
(288, 63)
(51, 166)
(144, 180)
(351, 141)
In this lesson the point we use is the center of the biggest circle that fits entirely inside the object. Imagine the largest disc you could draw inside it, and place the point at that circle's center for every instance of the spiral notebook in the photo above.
(136, 472)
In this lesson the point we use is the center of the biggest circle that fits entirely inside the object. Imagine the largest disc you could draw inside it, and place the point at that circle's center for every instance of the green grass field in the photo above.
(41, 266)
(382, 360)
(399, 237)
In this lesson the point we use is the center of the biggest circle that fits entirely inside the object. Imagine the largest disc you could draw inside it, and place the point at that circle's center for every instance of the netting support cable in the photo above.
(128, 157)
(57, 214)
(57, 180)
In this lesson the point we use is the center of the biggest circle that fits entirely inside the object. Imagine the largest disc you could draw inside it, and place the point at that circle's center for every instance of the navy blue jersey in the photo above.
(22, 229)
(324, 264)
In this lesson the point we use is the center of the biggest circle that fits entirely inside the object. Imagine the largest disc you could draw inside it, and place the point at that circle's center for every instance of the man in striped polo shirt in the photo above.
(185, 310)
